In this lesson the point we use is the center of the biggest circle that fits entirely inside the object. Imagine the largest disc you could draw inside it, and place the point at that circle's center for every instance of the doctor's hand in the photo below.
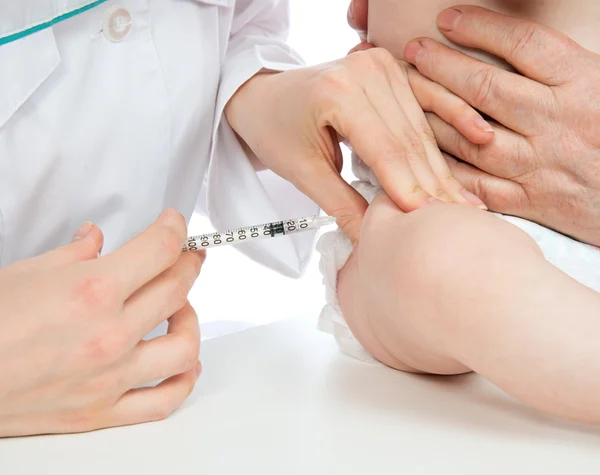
(293, 121)
(72, 356)
(544, 162)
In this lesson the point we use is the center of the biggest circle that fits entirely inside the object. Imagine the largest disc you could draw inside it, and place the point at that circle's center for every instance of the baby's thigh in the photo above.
(413, 274)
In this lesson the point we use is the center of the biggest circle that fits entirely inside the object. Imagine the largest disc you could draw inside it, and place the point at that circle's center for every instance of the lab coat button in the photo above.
(117, 23)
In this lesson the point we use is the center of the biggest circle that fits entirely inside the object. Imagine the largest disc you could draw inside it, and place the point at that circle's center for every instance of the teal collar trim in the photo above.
(48, 24)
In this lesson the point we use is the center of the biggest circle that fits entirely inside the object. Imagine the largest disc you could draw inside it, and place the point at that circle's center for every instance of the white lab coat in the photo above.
(116, 132)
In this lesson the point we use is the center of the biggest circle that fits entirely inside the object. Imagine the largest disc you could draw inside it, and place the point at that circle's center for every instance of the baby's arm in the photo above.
(450, 289)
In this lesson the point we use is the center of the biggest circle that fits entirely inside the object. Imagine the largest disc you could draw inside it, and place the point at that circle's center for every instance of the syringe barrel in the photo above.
(255, 233)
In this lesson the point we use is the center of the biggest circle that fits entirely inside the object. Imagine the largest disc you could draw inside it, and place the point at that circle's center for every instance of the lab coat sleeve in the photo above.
(236, 194)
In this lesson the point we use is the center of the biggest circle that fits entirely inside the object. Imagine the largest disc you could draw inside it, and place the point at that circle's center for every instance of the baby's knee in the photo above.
(423, 269)
(440, 245)
(416, 271)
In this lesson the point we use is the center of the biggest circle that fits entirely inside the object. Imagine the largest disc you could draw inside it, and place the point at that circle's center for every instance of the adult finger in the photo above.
(432, 173)
(87, 244)
(388, 157)
(362, 46)
(389, 93)
(174, 353)
(358, 15)
(435, 98)
(500, 195)
(153, 403)
(536, 51)
(324, 184)
(163, 296)
(508, 156)
(510, 99)
(149, 253)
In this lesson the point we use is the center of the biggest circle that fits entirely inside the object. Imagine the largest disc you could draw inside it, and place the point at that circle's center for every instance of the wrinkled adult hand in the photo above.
(293, 121)
(544, 161)
(72, 358)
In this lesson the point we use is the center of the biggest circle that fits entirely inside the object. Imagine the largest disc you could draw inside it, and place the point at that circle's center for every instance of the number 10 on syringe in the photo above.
(254, 233)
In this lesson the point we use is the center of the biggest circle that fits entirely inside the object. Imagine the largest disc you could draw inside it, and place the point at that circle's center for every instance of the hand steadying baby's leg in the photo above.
(449, 289)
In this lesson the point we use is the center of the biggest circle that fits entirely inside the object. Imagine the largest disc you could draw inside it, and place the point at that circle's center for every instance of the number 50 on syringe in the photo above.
(255, 233)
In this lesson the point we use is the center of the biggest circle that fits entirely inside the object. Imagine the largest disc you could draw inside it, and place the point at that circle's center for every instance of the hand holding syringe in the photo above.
(255, 233)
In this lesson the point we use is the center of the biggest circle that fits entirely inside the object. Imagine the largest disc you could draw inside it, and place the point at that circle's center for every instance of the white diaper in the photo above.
(580, 261)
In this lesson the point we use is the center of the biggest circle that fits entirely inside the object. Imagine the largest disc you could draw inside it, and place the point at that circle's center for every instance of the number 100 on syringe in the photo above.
(254, 233)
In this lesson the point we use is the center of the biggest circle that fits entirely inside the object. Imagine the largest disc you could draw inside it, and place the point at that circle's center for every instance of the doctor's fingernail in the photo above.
(449, 19)
(483, 125)
(474, 200)
(83, 231)
(351, 11)
(413, 51)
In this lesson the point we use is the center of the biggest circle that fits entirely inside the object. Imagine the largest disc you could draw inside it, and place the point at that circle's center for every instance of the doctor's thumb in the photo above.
(86, 243)
(337, 198)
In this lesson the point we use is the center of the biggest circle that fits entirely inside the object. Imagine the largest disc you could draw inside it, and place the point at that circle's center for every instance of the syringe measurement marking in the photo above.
(250, 232)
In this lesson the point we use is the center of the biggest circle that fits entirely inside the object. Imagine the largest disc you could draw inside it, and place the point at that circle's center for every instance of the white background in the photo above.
(224, 293)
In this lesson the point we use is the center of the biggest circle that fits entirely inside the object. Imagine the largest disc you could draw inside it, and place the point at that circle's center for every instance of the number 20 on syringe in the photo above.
(252, 233)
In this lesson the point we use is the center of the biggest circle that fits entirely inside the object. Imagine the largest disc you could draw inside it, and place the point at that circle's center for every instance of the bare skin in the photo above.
(543, 162)
(394, 23)
(74, 358)
(448, 289)
(451, 289)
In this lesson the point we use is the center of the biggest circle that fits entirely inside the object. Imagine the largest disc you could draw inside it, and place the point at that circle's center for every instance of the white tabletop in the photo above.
(281, 399)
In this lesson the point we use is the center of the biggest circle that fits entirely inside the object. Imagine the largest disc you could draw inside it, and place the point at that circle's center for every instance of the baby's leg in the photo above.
(449, 289)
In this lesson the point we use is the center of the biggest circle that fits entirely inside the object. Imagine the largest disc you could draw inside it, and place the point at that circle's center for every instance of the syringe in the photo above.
(255, 233)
